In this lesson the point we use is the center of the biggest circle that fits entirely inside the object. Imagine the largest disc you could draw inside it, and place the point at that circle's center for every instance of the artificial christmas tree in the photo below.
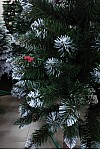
(5, 54)
(56, 68)
(5, 67)
(5, 50)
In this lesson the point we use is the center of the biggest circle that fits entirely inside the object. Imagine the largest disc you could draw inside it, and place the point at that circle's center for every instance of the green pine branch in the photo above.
(90, 127)
(21, 122)
(40, 136)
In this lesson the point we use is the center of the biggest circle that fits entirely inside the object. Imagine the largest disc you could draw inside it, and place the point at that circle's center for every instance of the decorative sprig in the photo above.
(52, 66)
(64, 44)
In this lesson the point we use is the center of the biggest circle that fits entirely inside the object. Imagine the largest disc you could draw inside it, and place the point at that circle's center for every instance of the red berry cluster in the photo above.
(29, 58)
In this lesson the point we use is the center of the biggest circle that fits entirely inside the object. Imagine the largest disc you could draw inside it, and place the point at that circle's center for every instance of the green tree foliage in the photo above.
(56, 66)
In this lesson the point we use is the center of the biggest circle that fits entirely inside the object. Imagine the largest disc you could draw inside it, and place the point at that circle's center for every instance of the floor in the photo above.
(10, 135)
